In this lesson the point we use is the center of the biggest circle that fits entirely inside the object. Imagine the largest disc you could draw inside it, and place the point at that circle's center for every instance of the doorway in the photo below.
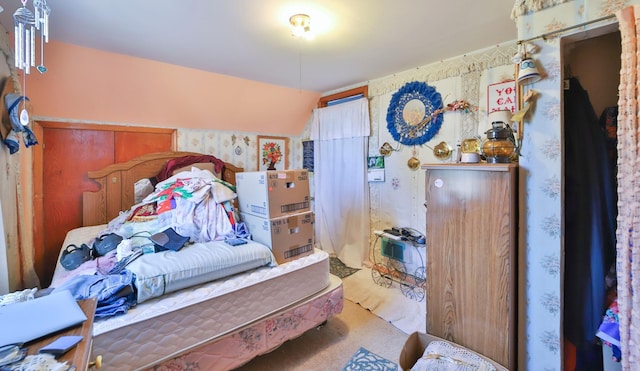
(591, 64)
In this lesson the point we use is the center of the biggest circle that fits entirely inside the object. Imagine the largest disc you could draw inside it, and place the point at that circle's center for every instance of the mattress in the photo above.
(165, 327)
(261, 337)
(164, 272)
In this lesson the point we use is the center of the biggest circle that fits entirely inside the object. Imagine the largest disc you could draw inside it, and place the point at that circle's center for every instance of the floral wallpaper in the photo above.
(541, 176)
(399, 201)
(238, 148)
(522, 7)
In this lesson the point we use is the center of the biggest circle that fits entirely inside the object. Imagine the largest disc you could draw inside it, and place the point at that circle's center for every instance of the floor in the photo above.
(330, 347)
(382, 329)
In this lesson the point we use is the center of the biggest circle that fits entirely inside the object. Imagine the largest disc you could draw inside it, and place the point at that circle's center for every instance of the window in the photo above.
(342, 97)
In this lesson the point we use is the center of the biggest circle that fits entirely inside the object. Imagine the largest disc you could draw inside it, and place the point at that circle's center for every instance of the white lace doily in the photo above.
(443, 356)
(39, 362)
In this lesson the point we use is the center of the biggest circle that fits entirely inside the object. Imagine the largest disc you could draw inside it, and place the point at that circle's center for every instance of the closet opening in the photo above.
(591, 76)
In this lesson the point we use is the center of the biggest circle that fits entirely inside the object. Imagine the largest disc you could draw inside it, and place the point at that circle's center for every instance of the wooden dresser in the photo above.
(472, 257)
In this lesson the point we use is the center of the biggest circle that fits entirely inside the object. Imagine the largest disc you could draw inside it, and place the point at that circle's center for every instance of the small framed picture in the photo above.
(375, 168)
(273, 153)
(375, 162)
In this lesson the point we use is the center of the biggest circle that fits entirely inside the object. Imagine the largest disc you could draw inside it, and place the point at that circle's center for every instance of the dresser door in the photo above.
(471, 277)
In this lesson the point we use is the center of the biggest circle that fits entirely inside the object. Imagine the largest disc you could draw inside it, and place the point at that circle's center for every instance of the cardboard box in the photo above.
(416, 344)
(289, 237)
(270, 194)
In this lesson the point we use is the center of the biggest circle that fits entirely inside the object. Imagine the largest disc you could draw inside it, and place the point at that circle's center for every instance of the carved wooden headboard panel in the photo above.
(117, 182)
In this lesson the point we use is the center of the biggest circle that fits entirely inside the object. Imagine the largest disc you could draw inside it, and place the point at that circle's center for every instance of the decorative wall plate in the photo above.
(415, 113)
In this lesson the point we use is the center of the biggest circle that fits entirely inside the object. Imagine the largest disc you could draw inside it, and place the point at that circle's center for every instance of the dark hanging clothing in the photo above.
(590, 217)
(609, 124)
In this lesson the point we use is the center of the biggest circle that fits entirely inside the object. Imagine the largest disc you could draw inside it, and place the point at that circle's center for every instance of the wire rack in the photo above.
(389, 269)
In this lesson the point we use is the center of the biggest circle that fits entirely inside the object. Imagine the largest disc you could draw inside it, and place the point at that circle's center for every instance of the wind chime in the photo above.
(26, 24)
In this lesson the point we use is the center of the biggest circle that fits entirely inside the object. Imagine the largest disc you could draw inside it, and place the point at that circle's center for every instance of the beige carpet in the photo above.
(331, 346)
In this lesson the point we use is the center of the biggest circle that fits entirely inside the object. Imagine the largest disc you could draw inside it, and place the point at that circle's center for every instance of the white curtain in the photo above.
(628, 231)
(341, 138)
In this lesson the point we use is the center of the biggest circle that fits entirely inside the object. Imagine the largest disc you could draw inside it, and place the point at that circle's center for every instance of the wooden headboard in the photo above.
(117, 181)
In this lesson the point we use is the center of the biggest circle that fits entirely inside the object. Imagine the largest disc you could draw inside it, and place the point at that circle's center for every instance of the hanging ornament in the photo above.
(414, 162)
(27, 23)
(42, 12)
(24, 38)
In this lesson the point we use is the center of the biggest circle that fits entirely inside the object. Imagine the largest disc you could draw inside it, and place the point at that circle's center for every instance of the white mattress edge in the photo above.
(200, 293)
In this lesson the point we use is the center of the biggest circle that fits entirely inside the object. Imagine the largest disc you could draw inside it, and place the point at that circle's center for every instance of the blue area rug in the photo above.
(366, 360)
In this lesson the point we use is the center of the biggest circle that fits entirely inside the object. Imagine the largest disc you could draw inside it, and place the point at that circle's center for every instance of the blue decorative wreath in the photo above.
(420, 133)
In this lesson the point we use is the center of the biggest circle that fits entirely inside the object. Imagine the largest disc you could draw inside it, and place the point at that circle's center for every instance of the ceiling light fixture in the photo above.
(300, 24)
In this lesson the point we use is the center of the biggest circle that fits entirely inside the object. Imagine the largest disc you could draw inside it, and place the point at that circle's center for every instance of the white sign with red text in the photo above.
(501, 97)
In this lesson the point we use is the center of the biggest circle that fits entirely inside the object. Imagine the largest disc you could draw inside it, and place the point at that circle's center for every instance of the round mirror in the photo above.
(413, 112)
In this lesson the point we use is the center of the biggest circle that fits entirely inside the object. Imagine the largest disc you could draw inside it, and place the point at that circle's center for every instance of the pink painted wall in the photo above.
(90, 85)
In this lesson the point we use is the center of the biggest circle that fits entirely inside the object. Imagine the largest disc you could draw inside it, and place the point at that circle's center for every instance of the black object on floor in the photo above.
(338, 268)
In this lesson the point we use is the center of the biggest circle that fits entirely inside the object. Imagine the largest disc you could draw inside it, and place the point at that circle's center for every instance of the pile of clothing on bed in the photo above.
(195, 203)
(189, 207)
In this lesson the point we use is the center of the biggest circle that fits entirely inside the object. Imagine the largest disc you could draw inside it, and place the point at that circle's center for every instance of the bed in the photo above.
(213, 325)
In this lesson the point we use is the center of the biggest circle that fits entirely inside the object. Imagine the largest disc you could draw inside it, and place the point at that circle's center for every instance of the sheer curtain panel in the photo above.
(341, 138)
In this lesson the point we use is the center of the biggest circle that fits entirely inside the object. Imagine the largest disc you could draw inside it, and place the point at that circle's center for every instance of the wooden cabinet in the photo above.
(471, 257)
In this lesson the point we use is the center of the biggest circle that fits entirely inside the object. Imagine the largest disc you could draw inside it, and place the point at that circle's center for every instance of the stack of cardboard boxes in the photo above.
(275, 206)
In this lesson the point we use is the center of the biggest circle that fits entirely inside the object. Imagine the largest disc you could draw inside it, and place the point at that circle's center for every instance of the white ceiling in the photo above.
(356, 40)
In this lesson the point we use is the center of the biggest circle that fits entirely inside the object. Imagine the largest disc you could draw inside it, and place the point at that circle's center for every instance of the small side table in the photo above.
(79, 355)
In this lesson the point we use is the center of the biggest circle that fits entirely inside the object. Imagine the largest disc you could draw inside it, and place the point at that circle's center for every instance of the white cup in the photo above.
(470, 157)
